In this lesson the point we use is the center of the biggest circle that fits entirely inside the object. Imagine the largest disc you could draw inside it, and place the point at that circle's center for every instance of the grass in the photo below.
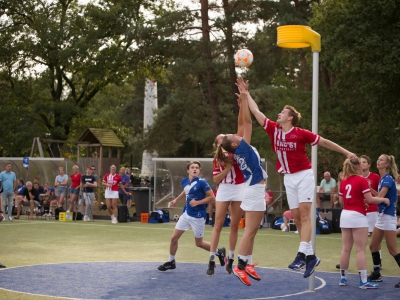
(25, 242)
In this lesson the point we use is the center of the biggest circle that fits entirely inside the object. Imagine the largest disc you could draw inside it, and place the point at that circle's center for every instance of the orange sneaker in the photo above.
(252, 273)
(242, 275)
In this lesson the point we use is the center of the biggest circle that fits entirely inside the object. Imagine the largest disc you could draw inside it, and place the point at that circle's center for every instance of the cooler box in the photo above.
(65, 217)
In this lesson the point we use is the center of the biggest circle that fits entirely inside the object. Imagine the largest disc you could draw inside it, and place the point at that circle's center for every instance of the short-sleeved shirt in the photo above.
(60, 179)
(88, 179)
(249, 162)
(7, 180)
(196, 189)
(76, 180)
(114, 180)
(34, 192)
(352, 189)
(328, 186)
(387, 181)
(20, 189)
(290, 147)
(373, 180)
(125, 179)
(234, 176)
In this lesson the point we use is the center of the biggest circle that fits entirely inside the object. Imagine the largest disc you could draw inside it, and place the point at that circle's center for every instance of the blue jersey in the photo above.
(249, 163)
(387, 181)
(196, 189)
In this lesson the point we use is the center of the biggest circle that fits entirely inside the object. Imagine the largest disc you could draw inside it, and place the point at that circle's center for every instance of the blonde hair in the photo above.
(75, 167)
(113, 166)
(351, 167)
(293, 113)
(392, 167)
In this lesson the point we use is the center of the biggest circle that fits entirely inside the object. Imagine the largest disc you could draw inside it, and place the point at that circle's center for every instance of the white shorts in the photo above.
(253, 197)
(300, 187)
(353, 219)
(372, 218)
(111, 194)
(230, 192)
(386, 222)
(197, 224)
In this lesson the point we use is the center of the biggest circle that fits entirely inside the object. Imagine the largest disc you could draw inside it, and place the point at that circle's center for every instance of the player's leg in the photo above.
(236, 216)
(347, 245)
(374, 246)
(360, 236)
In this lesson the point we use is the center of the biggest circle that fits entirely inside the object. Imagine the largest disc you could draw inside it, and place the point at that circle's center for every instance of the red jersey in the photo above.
(373, 180)
(290, 147)
(76, 180)
(352, 190)
(112, 179)
(234, 176)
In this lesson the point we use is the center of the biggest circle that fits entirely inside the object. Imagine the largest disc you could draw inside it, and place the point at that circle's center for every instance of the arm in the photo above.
(209, 198)
(248, 126)
(243, 86)
(240, 130)
(181, 195)
(383, 192)
(218, 178)
(65, 182)
(335, 147)
(376, 200)
(122, 186)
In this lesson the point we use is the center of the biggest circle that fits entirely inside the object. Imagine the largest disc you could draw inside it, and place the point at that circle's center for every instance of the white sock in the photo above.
(231, 254)
(363, 275)
(171, 257)
(303, 247)
(212, 256)
(243, 257)
(250, 259)
(343, 273)
(380, 254)
(310, 250)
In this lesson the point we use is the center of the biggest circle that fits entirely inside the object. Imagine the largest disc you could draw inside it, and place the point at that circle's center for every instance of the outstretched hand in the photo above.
(241, 84)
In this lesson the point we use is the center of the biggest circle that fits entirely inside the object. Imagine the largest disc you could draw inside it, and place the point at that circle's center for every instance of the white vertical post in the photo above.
(314, 153)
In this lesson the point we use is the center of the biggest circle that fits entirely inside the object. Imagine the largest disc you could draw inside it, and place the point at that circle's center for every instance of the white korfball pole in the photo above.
(297, 36)
(150, 106)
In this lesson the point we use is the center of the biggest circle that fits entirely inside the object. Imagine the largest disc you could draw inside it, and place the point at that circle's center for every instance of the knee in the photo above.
(199, 243)
(174, 239)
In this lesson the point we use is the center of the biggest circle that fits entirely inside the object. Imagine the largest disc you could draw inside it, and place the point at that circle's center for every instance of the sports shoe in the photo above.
(338, 266)
(211, 266)
(397, 285)
(114, 221)
(68, 211)
(228, 265)
(368, 285)
(242, 275)
(169, 265)
(88, 219)
(343, 282)
(2, 266)
(252, 273)
(9, 218)
(221, 256)
(311, 263)
(375, 276)
(285, 229)
(298, 263)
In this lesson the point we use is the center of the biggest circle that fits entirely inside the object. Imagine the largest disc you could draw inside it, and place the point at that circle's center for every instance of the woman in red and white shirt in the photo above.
(75, 187)
(354, 191)
(112, 181)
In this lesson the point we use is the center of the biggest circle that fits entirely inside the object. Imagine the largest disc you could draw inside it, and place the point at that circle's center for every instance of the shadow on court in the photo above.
(142, 280)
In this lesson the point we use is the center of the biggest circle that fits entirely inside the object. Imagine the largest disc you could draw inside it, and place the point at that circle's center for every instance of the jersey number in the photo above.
(348, 190)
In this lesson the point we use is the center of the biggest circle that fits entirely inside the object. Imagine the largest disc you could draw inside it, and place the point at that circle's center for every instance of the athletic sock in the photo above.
(303, 247)
(363, 275)
(212, 256)
(231, 254)
(250, 259)
(171, 257)
(343, 273)
(376, 259)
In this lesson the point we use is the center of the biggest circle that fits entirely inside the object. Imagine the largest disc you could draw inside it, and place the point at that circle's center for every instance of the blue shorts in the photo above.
(74, 191)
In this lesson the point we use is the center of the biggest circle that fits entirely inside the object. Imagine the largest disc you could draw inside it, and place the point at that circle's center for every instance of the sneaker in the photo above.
(169, 265)
(87, 219)
(228, 265)
(252, 273)
(375, 276)
(242, 275)
(298, 263)
(285, 229)
(338, 266)
(368, 285)
(343, 282)
(311, 263)
(221, 256)
(211, 266)
(2, 266)
(397, 285)
(9, 218)
(68, 211)
(114, 221)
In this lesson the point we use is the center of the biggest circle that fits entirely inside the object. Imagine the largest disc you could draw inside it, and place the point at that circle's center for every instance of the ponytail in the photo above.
(392, 166)
(351, 167)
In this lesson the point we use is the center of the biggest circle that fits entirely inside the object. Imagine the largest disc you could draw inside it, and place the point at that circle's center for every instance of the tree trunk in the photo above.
(230, 53)
(210, 72)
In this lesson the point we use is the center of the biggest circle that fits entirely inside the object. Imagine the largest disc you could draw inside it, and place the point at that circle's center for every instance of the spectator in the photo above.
(336, 203)
(93, 169)
(326, 189)
(9, 182)
(31, 196)
(19, 191)
(88, 183)
(75, 188)
(287, 215)
(49, 195)
(60, 184)
(125, 182)
(129, 200)
(41, 189)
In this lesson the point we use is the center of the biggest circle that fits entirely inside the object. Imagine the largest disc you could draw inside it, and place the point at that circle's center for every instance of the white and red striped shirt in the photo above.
(234, 176)
(114, 180)
(290, 147)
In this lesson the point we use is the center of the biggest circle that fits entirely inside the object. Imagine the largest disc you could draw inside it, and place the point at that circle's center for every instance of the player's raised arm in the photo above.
(244, 85)
(248, 126)
(335, 147)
